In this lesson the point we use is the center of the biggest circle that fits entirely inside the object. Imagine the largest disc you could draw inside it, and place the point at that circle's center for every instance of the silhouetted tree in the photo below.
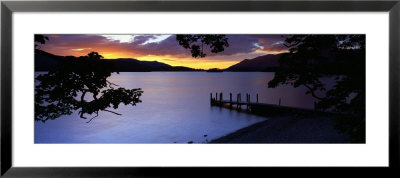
(196, 43)
(40, 39)
(69, 86)
(312, 57)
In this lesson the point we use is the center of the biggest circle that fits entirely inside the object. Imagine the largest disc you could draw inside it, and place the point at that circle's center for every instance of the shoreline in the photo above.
(287, 129)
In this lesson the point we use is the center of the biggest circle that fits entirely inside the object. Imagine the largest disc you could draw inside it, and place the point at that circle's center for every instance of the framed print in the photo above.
(146, 88)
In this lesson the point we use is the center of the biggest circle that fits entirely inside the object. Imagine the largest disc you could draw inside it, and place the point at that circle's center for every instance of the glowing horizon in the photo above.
(163, 48)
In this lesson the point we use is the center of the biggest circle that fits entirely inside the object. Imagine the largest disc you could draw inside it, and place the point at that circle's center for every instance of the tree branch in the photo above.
(83, 96)
(291, 45)
(81, 115)
(312, 92)
(110, 83)
(112, 112)
(97, 114)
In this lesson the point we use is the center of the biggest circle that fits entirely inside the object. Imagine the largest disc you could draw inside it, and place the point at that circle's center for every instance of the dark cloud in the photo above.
(168, 46)
(248, 43)
(75, 44)
(271, 46)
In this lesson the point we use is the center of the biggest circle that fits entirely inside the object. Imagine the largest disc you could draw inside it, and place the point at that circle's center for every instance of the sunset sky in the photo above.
(163, 48)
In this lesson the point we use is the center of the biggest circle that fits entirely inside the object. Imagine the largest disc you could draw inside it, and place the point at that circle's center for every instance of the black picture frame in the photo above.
(8, 7)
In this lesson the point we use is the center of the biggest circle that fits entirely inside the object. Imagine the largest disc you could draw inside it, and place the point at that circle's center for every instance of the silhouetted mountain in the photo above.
(214, 70)
(268, 62)
(45, 61)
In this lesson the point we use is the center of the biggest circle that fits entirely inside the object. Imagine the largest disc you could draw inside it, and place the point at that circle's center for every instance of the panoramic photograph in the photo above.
(199, 88)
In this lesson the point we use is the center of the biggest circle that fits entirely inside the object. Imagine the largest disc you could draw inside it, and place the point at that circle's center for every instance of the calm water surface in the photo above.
(175, 108)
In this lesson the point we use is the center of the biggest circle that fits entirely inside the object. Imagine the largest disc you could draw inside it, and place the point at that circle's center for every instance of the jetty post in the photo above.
(257, 97)
(211, 99)
(240, 100)
(248, 101)
(220, 96)
(237, 101)
(254, 107)
(230, 100)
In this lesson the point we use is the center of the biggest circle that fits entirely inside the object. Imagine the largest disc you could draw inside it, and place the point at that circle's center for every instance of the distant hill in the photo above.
(45, 61)
(268, 62)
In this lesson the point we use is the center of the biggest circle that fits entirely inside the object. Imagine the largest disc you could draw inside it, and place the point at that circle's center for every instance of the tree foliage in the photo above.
(195, 43)
(41, 39)
(342, 57)
(67, 88)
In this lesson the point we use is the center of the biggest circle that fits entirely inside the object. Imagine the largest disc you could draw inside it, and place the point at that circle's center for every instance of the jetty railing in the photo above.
(219, 101)
(255, 106)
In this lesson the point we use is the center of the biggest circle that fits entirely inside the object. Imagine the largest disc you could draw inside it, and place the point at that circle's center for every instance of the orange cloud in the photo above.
(54, 36)
(272, 48)
(165, 49)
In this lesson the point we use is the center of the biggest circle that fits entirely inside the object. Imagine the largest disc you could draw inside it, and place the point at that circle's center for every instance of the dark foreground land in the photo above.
(288, 129)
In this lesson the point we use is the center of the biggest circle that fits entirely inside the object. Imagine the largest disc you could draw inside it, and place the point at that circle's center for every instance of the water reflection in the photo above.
(176, 108)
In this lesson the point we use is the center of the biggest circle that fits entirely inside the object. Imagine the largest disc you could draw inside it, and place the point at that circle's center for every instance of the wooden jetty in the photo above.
(255, 107)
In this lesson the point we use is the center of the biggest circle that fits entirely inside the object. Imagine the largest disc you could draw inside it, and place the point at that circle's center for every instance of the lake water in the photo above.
(175, 108)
